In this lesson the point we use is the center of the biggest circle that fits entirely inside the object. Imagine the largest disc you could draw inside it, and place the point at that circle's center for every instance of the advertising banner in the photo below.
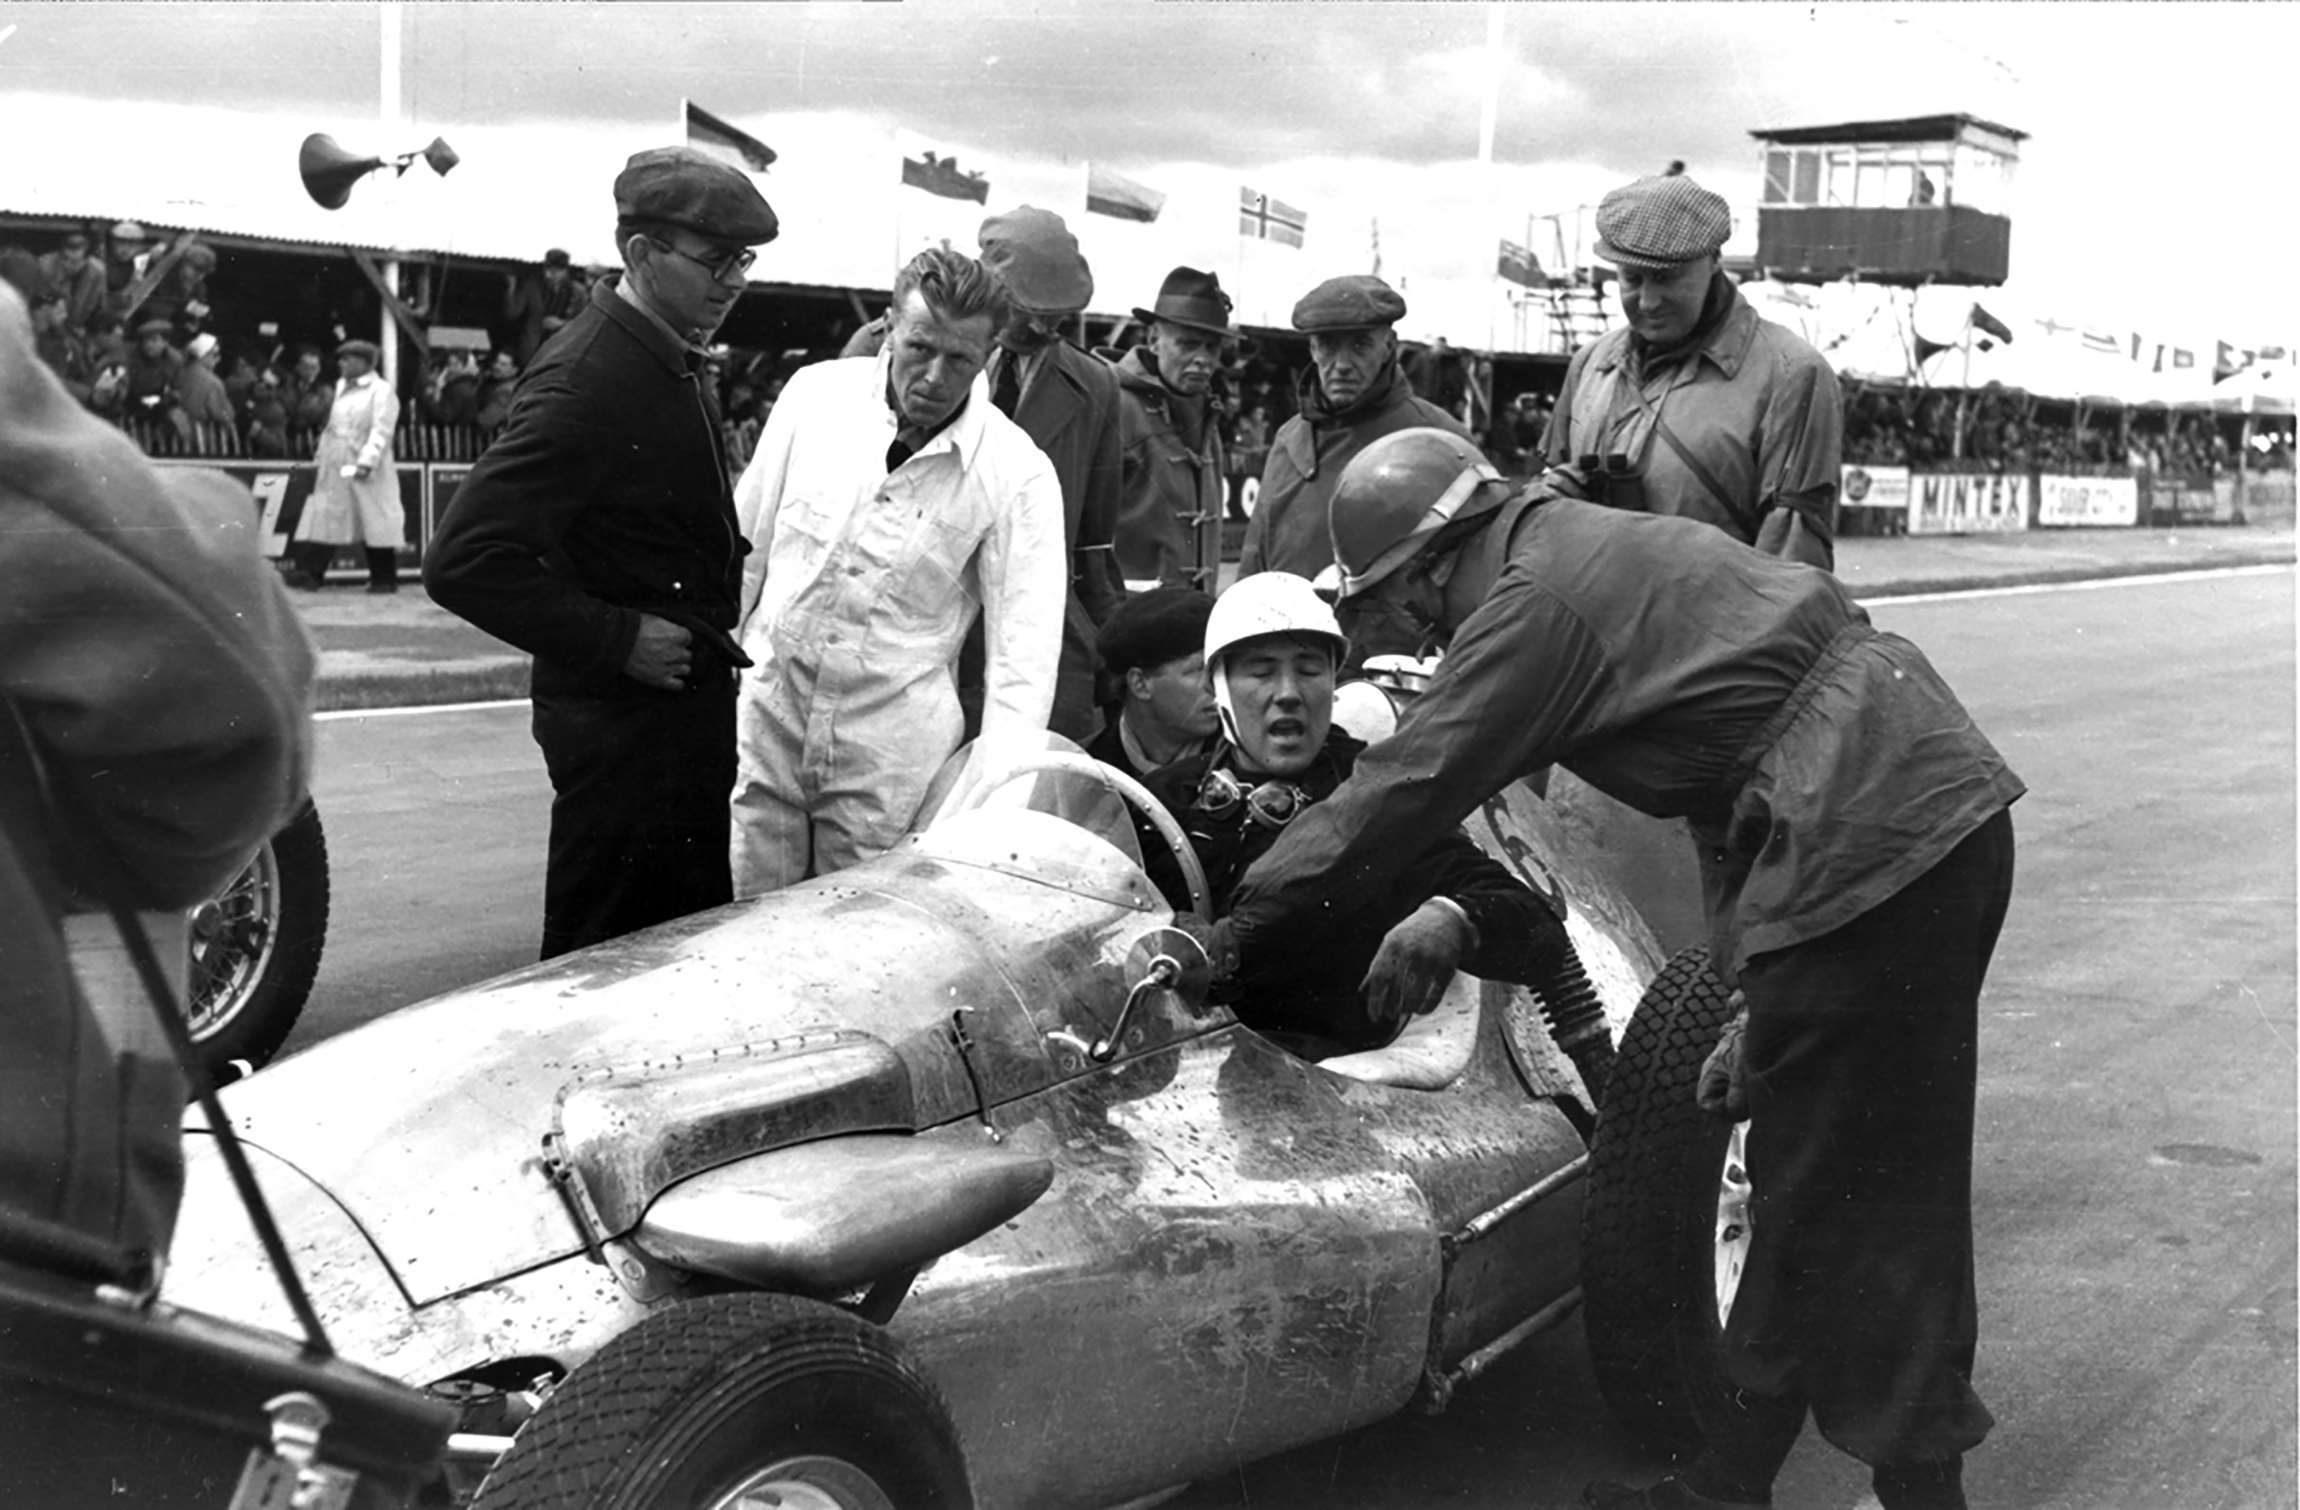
(2189, 500)
(281, 489)
(2075, 501)
(1873, 488)
(1968, 503)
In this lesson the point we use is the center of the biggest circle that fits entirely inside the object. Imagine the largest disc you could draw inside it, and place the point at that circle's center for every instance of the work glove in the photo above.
(1722, 1090)
(1416, 961)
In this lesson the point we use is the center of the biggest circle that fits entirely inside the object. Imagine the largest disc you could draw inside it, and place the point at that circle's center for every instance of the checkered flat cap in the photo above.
(1657, 223)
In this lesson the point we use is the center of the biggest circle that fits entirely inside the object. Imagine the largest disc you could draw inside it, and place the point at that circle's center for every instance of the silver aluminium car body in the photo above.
(882, 1087)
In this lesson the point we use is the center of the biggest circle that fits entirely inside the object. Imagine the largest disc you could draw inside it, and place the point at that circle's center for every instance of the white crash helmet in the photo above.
(1271, 602)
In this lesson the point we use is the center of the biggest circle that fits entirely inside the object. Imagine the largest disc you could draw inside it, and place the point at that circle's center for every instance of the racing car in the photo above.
(941, 1182)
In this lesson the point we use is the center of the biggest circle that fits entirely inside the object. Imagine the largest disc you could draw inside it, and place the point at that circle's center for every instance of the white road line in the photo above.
(413, 709)
(2089, 584)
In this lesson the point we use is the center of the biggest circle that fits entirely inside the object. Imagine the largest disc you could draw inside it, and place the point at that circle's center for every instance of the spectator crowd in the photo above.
(146, 353)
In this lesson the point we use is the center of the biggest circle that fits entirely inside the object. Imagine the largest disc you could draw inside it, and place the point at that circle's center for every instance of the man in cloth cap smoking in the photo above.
(598, 534)
(1699, 408)
(1067, 403)
(1353, 394)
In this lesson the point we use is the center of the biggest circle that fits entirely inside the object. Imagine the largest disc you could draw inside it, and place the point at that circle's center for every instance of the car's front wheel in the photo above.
(738, 1402)
(1665, 1223)
(255, 949)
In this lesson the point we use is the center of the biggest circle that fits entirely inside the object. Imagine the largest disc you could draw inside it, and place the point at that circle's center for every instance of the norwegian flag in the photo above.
(1265, 219)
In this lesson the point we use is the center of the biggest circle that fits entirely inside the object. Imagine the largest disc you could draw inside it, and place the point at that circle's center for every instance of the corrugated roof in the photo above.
(1913, 128)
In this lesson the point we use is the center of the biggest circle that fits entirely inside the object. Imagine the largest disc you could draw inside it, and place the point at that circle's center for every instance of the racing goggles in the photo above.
(1271, 804)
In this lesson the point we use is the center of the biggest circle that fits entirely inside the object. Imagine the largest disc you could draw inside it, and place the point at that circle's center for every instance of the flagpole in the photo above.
(388, 18)
(1489, 114)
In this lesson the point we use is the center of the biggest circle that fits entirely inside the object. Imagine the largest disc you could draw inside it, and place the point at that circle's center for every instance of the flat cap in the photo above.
(1358, 301)
(156, 326)
(366, 349)
(1152, 628)
(1037, 258)
(1657, 223)
(684, 187)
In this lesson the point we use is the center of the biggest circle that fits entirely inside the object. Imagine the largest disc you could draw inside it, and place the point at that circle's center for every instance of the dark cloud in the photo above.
(1137, 82)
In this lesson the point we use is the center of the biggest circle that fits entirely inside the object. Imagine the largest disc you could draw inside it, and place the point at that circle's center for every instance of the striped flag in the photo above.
(716, 137)
(1267, 219)
(1120, 197)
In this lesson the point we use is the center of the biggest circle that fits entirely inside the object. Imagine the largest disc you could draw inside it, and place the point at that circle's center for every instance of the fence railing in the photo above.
(158, 436)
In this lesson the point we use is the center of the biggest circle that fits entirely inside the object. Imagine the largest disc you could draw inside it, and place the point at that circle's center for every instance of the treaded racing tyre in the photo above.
(1649, 1219)
(256, 949)
(704, 1403)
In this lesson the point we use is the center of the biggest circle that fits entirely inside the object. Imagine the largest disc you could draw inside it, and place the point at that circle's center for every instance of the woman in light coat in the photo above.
(355, 498)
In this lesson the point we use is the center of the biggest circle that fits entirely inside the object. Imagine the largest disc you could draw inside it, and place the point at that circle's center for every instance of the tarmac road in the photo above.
(2135, 1160)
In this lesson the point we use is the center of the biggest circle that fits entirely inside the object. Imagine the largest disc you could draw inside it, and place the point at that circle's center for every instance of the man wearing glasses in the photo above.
(1272, 649)
(598, 534)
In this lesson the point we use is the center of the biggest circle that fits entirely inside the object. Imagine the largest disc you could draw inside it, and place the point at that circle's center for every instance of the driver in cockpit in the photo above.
(1272, 650)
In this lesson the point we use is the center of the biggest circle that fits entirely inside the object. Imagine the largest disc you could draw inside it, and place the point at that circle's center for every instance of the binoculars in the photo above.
(1613, 480)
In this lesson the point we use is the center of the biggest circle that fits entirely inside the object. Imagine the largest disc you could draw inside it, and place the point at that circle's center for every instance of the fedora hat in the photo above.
(1192, 298)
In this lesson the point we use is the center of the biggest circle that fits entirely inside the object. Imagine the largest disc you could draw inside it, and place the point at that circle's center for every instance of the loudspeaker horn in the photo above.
(329, 171)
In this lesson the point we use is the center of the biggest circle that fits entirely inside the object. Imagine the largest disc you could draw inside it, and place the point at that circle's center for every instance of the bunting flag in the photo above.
(1377, 230)
(1267, 219)
(2273, 354)
(716, 137)
(1120, 197)
(1927, 350)
(2227, 361)
(2182, 357)
(1983, 320)
(1518, 265)
(942, 176)
(2100, 341)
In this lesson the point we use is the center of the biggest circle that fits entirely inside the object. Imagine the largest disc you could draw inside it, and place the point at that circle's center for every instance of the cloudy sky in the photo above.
(2157, 186)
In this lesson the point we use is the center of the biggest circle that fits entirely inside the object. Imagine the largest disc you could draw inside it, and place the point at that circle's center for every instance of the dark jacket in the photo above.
(1825, 764)
(1288, 530)
(153, 667)
(604, 496)
(1170, 520)
(1311, 986)
(1070, 410)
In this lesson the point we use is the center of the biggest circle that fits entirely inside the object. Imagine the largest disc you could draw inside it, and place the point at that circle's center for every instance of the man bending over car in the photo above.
(1386, 954)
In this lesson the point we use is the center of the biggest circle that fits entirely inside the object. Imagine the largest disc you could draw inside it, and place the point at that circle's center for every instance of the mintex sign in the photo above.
(1968, 503)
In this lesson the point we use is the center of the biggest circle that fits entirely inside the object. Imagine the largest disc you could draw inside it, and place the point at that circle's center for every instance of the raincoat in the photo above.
(858, 591)
(364, 510)
(1824, 763)
(1288, 530)
(1748, 424)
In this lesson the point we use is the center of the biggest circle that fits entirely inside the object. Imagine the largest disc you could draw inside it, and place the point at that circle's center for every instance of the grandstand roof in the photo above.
(1913, 128)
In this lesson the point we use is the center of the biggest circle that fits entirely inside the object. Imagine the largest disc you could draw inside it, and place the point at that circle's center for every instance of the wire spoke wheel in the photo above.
(255, 949)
